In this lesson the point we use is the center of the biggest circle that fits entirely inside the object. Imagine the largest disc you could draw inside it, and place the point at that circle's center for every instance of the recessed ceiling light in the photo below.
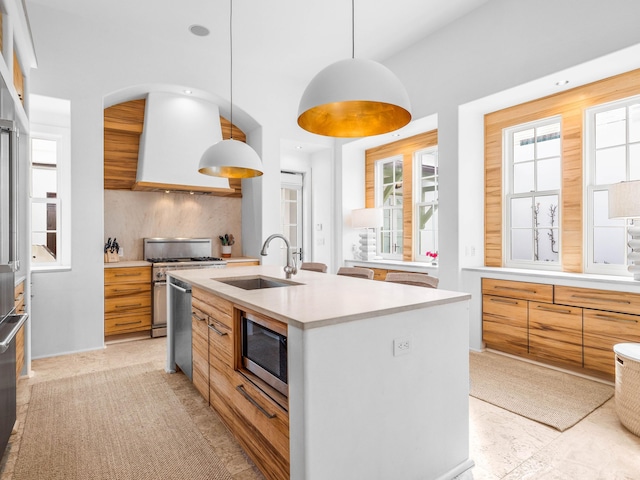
(199, 30)
(395, 134)
(187, 92)
(560, 83)
(299, 147)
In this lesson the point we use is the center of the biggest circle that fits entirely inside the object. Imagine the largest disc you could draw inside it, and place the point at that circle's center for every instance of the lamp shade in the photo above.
(354, 98)
(624, 200)
(230, 159)
(366, 218)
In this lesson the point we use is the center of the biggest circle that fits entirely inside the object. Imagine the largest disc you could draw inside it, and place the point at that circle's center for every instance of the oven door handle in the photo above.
(178, 287)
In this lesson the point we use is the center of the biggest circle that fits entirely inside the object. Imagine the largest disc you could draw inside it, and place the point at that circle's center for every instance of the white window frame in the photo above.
(417, 190)
(589, 168)
(508, 195)
(62, 136)
(378, 201)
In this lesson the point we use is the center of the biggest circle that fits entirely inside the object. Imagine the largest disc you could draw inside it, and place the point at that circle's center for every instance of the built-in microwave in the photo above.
(264, 350)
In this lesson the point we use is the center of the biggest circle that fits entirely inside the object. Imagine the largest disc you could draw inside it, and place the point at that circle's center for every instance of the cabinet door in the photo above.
(127, 275)
(200, 352)
(609, 300)
(537, 292)
(504, 324)
(602, 330)
(555, 333)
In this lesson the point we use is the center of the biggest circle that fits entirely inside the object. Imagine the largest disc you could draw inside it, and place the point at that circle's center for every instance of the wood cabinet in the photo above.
(571, 327)
(248, 263)
(19, 304)
(127, 300)
(248, 407)
(555, 333)
(200, 351)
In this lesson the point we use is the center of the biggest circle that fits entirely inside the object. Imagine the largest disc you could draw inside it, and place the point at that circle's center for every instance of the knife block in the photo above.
(111, 257)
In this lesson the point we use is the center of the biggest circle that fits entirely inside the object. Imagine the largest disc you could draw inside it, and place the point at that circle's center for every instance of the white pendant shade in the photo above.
(354, 98)
(230, 159)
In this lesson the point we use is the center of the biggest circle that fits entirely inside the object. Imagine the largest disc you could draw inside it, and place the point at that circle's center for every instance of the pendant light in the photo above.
(354, 98)
(230, 158)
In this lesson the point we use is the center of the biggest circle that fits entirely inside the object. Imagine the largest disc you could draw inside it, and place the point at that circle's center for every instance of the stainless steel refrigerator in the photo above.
(10, 322)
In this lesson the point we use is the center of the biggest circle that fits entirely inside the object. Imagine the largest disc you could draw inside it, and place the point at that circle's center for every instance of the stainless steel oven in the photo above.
(168, 254)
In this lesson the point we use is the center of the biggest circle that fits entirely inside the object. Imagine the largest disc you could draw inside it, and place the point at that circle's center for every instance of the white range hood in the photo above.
(177, 130)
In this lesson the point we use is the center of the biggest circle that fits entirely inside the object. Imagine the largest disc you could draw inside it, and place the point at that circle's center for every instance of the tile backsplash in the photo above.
(131, 216)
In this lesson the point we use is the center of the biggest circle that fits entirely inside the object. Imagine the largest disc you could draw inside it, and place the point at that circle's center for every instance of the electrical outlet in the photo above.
(401, 346)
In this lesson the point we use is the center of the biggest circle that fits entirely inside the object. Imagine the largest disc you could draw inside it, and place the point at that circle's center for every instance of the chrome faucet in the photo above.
(290, 268)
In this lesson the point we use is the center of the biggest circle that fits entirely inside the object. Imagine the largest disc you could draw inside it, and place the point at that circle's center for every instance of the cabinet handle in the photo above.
(222, 334)
(603, 299)
(246, 395)
(127, 290)
(129, 305)
(127, 275)
(504, 300)
(515, 289)
(554, 310)
(614, 319)
(127, 323)
(198, 317)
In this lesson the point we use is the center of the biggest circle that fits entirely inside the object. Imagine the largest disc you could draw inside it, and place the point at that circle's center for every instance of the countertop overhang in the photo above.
(321, 299)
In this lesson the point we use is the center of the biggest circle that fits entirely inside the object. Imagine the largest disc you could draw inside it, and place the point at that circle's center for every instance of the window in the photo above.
(425, 193)
(389, 197)
(291, 189)
(532, 213)
(613, 155)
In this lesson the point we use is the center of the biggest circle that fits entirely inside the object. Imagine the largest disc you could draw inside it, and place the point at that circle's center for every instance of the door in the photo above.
(291, 213)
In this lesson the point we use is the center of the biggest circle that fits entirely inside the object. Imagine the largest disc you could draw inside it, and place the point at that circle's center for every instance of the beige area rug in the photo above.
(548, 396)
(124, 423)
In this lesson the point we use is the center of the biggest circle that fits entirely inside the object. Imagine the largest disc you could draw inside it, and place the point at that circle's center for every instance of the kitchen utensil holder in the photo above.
(111, 257)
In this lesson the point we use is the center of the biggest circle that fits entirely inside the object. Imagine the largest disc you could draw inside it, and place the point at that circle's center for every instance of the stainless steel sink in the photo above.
(255, 282)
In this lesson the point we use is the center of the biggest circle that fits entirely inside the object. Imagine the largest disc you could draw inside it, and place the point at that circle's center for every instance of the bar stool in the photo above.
(357, 272)
(408, 278)
(314, 267)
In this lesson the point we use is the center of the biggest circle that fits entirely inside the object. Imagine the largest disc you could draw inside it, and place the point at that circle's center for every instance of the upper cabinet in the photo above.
(18, 58)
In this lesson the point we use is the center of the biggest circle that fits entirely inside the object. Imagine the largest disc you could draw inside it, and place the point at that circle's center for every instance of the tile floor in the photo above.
(503, 445)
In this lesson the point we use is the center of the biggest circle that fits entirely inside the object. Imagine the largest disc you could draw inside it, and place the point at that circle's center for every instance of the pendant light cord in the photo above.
(353, 29)
(231, 64)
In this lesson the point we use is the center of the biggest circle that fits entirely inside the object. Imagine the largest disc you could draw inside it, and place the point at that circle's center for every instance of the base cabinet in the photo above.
(257, 420)
(127, 300)
(571, 327)
(19, 305)
(200, 352)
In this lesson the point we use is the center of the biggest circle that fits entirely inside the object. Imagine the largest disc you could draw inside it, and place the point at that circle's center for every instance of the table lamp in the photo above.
(624, 202)
(368, 219)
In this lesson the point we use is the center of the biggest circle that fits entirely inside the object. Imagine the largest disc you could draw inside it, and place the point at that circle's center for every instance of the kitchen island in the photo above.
(378, 373)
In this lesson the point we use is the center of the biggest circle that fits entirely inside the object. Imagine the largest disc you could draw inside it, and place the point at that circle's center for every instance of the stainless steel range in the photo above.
(167, 254)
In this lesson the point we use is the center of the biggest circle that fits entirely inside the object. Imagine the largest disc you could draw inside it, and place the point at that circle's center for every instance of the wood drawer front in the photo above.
(555, 333)
(273, 464)
(523, 290)
(602, 330)
(610, 300)
(119, 289)
(127, 275)
(214, 306)
(504, 324)
(248, 263)
(220, 345)
(127, 304)
(18, 298)
(127, 323)
(200, 357)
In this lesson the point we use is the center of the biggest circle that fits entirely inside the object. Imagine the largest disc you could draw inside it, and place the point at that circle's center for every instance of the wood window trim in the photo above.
(405, 147)
(570, 106)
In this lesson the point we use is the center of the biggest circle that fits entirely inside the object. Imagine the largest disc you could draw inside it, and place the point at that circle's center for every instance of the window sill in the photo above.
(394, 265)
(52, 268)
(555, 276)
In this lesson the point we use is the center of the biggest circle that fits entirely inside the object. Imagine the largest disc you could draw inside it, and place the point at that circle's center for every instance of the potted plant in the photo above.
(227, 240)
(433, 256)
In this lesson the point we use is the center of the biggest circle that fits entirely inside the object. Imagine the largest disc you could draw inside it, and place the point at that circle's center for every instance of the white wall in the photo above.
(503, 44)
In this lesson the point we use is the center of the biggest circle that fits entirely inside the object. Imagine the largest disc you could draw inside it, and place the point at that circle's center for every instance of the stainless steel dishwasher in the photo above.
(180, 324)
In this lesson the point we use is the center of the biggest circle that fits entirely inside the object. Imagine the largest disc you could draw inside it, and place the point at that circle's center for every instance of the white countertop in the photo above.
(320, 299)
